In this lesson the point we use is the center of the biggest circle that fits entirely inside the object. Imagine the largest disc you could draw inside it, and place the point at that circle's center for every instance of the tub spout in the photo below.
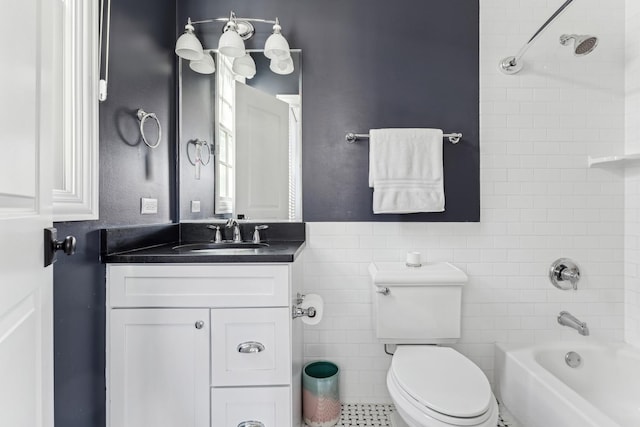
(567, 319)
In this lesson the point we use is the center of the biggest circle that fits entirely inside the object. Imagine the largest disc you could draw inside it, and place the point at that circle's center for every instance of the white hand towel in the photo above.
(405, 170)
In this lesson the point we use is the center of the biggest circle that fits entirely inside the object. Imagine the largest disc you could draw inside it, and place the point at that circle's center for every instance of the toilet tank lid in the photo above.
(398, 273)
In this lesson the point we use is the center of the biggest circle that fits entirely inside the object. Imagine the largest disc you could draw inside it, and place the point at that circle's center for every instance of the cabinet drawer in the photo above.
(231, 407)
(188, 285)
(250, 347)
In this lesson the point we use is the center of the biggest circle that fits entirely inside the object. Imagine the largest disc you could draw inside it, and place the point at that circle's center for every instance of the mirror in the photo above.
(239, 145)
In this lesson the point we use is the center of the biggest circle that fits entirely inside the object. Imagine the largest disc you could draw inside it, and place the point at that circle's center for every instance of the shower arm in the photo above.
(512, 64)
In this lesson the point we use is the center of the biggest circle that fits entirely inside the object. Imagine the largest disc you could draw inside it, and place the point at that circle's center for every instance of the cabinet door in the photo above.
(158, 368)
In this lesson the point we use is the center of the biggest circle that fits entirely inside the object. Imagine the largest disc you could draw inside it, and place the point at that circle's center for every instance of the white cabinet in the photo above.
(199, 345)
(158, 368)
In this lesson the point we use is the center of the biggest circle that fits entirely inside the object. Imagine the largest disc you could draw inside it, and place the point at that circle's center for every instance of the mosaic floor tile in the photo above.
(365, 415)
(377, 415)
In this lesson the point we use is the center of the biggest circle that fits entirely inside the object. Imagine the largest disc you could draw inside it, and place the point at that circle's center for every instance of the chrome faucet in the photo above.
(567, 319)
(237, 238)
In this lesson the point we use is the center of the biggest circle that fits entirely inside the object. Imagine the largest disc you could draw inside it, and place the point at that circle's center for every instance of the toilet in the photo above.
(417, 309)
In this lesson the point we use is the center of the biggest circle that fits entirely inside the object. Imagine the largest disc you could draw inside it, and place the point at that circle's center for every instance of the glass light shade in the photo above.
(231, 44)
(277, 47)
(206, 65)
(189, 47)
(244, 66)
(282, 67)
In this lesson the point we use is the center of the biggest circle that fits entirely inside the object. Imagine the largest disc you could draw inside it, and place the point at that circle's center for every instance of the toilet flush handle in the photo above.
(384, 291)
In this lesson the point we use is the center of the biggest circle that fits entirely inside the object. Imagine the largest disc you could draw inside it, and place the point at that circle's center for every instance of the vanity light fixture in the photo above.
(284, 66)
(188, 46)
(205, 65)
(244, 66)
(231, 43)
(276, 46)
(234, 33)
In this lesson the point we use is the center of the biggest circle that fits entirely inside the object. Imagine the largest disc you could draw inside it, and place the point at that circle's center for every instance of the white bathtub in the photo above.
(540, 390)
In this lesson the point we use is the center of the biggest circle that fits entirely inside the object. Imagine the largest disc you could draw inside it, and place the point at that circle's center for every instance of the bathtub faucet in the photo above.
(567, 319)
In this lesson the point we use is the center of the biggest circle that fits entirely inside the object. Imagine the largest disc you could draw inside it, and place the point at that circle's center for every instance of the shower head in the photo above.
(583, 44)
(513, 64)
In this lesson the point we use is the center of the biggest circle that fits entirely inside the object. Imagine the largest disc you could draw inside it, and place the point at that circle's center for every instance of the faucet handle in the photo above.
(218, 236)
(256, 232)
(564, 270)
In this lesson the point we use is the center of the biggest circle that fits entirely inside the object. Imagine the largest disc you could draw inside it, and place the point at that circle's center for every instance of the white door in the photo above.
(28, 129)
(262, 154)
(158, 368)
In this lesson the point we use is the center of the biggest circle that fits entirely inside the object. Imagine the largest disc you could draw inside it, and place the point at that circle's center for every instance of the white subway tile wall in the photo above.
(539, 202)
(632, 195)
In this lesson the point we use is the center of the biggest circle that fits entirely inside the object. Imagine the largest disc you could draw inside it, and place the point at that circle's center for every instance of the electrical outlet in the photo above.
(148, 206)
(195, 206)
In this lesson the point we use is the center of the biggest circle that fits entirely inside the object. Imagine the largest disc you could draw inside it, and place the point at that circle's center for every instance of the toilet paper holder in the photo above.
(301, 312)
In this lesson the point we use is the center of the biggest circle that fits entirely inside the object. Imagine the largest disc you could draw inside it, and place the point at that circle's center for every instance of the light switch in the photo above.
(195, 206)
(148, 206)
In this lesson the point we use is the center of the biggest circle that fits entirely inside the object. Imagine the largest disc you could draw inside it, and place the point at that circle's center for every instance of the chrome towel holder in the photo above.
(351, 137)
(143, 116)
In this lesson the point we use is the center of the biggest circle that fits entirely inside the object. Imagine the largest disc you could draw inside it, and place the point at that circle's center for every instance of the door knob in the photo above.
(52, 245)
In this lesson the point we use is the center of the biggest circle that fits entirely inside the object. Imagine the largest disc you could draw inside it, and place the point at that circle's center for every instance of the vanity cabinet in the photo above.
(200, 345)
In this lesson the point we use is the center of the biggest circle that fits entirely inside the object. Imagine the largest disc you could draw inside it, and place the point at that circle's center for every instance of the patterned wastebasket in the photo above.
(320, 394)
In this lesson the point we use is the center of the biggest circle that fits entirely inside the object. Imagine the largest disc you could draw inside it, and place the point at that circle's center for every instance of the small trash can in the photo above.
(320, 394)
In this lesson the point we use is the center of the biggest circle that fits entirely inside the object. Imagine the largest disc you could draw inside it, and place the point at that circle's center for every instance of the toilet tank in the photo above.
(416, 305)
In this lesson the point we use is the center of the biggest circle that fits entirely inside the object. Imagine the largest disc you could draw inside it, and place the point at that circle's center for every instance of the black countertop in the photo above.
(154, 244)
(275, 252)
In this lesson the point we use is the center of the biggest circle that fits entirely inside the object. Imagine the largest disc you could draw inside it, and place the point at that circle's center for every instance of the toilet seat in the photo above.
(437, 386)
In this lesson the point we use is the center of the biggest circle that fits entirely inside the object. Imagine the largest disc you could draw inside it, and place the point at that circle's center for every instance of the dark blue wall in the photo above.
(141, 75)
(373, 64)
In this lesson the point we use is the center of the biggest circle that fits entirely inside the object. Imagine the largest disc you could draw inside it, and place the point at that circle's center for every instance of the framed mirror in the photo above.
(240, 141)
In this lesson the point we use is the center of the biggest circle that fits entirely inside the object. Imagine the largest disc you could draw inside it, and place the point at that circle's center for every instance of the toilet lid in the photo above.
(442, 379)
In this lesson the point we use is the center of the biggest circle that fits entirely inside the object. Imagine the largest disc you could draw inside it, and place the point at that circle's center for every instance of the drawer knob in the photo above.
(251, 424)
(251, 347)
(199, 324)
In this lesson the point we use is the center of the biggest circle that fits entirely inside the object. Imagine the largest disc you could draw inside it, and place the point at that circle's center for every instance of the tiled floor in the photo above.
(357, 415)
(376, 415)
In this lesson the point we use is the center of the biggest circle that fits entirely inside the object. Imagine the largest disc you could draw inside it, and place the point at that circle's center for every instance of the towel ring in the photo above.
(143, 116)
(201, 143)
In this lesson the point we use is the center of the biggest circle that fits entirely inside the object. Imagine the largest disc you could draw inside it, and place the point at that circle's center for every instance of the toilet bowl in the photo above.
(418, 308)
(439, 387)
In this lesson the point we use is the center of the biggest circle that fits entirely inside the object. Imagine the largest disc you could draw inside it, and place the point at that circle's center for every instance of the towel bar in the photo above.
(351, 137)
